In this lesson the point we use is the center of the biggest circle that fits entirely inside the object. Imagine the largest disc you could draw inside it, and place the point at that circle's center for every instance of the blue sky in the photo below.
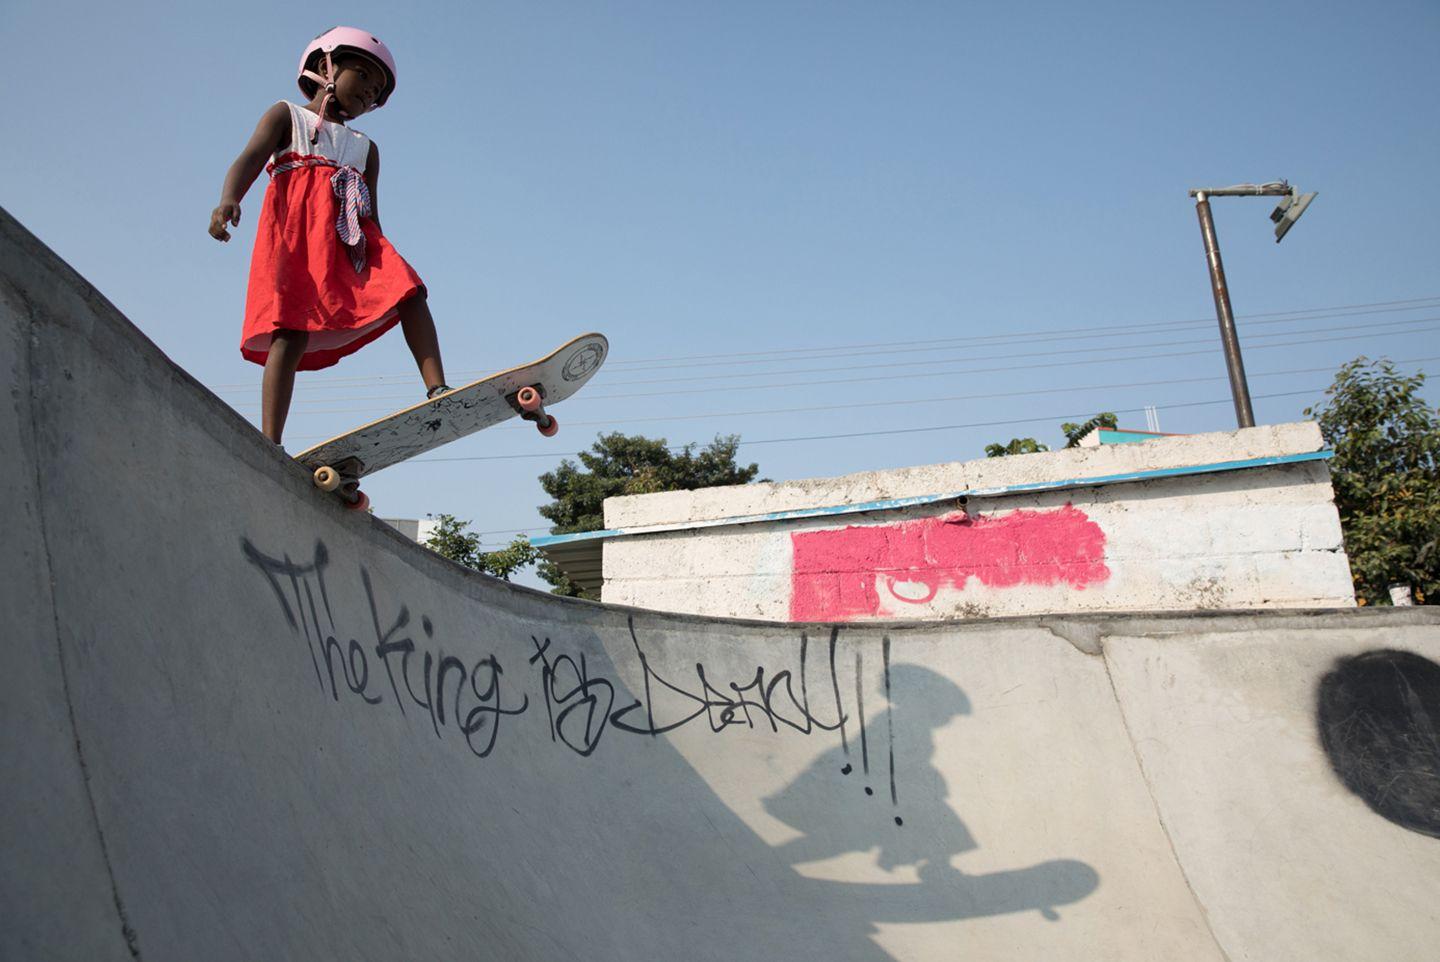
(954, 183)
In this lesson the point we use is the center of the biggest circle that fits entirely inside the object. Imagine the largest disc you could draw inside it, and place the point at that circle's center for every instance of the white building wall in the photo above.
(418, 530)
(1265, 537)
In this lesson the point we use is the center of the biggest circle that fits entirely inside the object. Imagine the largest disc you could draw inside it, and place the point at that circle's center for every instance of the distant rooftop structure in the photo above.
(416, 529)
(1099, 436)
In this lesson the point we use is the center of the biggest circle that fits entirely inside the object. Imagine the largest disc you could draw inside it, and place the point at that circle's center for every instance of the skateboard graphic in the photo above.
(524, 391)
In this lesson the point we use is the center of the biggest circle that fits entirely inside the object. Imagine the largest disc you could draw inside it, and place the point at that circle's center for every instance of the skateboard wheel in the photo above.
(549, 430)
(361, 502)
(327, 478)
(528, 398)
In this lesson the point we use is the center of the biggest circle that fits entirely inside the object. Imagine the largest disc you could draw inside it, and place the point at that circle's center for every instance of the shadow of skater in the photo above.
(881, 792)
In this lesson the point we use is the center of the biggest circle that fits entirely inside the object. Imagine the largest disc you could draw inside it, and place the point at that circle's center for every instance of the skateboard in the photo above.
(524, 391)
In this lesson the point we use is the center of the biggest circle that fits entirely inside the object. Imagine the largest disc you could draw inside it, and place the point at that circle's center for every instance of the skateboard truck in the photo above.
(529, 401)
(343, 478)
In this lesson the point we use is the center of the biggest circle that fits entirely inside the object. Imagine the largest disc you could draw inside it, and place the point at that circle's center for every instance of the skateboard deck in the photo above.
(524, 391)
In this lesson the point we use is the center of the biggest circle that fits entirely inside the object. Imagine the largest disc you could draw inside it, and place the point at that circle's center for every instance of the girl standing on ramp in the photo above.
(324, 281)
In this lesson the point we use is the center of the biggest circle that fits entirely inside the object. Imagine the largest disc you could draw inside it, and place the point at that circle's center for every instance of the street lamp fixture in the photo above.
(1289, 212)
(1284, 217)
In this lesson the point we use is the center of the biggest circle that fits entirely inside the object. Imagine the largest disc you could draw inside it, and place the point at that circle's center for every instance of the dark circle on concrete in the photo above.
(1379, 718)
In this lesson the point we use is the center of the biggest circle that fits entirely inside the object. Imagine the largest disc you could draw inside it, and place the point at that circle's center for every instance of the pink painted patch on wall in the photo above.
(860, 572)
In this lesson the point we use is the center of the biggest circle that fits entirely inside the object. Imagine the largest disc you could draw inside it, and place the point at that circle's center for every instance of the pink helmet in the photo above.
(349, 39)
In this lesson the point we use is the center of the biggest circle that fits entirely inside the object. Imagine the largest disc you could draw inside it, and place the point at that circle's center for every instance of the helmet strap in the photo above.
(328, 82)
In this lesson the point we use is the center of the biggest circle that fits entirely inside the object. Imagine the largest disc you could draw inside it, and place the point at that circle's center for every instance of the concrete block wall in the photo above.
(1260, 537)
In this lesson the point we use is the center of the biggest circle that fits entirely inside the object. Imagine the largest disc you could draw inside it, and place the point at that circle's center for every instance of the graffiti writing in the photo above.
(397, 660)
(430, 680)
(567, 686)
(773, 702)
(873, 570)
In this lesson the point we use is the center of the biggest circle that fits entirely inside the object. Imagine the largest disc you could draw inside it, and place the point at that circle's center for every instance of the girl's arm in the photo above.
(270, 135)
(372, 181)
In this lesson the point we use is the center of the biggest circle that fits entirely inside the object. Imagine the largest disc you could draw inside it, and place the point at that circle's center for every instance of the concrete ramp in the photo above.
(240, 722)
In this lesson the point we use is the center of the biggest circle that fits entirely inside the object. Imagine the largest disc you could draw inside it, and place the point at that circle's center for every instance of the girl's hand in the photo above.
(225, 213)
(271, 134)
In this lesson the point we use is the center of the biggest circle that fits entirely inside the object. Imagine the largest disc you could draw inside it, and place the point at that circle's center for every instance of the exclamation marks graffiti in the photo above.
(890, 727)
(864, 729)
(860, 715)
(839, 704)
(847, 768)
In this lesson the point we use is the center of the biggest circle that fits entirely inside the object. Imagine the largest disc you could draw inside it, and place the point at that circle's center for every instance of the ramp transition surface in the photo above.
(242, 723)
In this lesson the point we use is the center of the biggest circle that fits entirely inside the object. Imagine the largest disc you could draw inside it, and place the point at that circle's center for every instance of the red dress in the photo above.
(303, 274)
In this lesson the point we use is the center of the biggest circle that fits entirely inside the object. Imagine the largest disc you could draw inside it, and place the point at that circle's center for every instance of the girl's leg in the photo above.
(420, 335)
(278, 384)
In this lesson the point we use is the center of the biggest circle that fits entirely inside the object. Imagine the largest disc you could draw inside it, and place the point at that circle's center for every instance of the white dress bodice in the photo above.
(341, 144)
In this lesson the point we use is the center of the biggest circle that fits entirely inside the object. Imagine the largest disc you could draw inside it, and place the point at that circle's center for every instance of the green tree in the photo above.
(1386, 474)
(451, 539)
(1016, 446)
(1074, 432)
(620, 464)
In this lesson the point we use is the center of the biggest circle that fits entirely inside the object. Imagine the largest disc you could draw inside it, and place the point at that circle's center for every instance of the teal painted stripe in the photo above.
(1127, 437)
(893, 504)
(548, 540)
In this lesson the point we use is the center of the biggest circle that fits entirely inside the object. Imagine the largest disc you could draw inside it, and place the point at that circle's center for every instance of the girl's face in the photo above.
(359, 82)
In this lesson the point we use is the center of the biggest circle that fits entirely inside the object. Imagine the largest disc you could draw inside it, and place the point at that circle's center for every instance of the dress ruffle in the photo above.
(302, 277)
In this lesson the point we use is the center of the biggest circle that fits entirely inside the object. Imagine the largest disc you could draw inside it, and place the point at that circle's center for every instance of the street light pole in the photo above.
(1284, 217)
(1229, 339)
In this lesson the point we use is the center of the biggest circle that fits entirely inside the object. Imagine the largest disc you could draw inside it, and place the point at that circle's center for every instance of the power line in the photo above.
(769, 412)
(1030, 335)
(1065, 333)
(983, 424)
(1000, 339)
(953, 397)
(917, 375)
(1207, 352)
(998, 357)
(1119, 386)
(882, 349)
(869, 434)
(1348, 327)
(972, 397)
